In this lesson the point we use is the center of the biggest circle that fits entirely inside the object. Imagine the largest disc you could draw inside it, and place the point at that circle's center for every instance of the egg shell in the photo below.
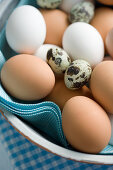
(86, 125)
(58, 60)
(82, 12)
(41, 52)
(106, 2)
(26, 29)
(56, 23)
(103, 21)
(101, 84)
(77, 74)
(61, 94)
(85, 43)
(109, 42)
(66, 5)
(108, 58)
(49, 3)
(27, 77)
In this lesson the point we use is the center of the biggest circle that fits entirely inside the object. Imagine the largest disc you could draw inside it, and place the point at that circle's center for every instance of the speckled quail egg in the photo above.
(77, 74)
(82, 12)
(51, 4)
(58, 60)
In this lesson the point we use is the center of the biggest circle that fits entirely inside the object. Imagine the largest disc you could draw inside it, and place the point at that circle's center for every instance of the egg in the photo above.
(77, 74)
(66, 5)
(27, 77)
(56, 23)
(86, 125)
(41, 52)
(108, 2)
(103, 21)
(101, 84)
(82, 12)
(108, 58)
(61, 94)
(49, 3)
(109, 42)
(58, 59)
(26, 29)
(85, 43)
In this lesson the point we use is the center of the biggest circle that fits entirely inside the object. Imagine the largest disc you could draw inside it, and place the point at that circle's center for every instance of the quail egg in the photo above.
(58, 60)
(82, 12)
(77, 74)
(51, 4)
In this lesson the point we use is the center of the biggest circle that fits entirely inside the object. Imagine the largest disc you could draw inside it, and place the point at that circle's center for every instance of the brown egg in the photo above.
(56, 23)
(109, 42)
(27, 77)
(108, 58)
(103, 21)
(61, 94)
(101, 84)
(86, 125)
(106, 2)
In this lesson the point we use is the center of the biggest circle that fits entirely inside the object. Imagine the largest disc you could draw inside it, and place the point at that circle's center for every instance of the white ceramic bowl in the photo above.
(42, 142)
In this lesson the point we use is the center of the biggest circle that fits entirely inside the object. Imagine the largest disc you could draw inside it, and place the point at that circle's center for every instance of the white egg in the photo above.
(41, 52)
(26, 29)
(83, 41)
(111, 120)
(66, 5)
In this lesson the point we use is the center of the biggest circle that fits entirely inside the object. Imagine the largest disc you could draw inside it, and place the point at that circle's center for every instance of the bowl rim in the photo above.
(43, 143)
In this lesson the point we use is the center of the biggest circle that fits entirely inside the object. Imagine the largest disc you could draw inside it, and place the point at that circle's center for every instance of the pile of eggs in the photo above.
(61, 51)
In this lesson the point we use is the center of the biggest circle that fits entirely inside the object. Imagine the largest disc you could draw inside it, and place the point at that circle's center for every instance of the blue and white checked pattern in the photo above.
(26, 156)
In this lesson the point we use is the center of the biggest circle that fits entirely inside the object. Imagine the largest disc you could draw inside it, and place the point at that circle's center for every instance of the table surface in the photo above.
(5, 163)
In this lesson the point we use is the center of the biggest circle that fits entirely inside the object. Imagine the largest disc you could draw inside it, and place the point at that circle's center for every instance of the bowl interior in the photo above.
(41, 141)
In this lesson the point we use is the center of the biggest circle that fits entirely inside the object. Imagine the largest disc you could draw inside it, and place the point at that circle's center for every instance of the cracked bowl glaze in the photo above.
(77, 74)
